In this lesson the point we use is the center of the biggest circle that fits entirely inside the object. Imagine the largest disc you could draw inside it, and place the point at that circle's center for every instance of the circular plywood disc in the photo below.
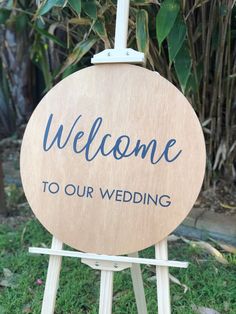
(112, 159)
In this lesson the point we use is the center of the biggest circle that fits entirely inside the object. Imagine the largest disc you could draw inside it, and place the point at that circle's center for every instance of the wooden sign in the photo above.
(112, 159)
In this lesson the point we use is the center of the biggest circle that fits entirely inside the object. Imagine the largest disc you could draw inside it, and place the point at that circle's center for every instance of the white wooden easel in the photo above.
(110, 264)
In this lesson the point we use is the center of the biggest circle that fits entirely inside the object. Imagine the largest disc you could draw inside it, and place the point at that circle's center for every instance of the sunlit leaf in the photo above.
(208, 248)
(47, 5)
(71, 69)
(76, 5)
(90, 8)
(225, 246)
(183, 65)
(176, 37)
(165, 18)
(100, 29)
(176, 280)
(142, 35)
(79, 51)
(80, 21)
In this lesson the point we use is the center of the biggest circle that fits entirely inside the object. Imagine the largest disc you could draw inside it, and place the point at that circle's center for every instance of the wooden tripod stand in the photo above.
(108, 265)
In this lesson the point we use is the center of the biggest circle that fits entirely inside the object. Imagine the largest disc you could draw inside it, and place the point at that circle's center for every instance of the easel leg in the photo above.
(162, 273)
(137, 280)
(106, 290)
(52, 281)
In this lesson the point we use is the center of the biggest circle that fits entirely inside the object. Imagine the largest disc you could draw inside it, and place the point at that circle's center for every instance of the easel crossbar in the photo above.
(98, 257)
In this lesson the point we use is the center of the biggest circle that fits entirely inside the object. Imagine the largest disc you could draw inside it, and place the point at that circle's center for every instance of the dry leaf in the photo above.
(152, 278)
(203, 310)
(9, 280)
(185, 240)
(172, 238)
(226, 306)
(213, 251)
(175, 280)
(226, 247)
(227, 206)
(172, 279)
(209, 248)
(27, 309)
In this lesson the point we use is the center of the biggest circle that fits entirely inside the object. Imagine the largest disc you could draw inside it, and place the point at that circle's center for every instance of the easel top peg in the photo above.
(120, 54)
(126, 55)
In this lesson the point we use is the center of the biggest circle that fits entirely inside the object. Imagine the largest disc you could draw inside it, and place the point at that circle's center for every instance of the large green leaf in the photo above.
(183, 65)
(4, 15)
(79, 51)
(165, 18)
(100, 29)
(176, 37)
(49, 36)
(194, 80)
(142, 35)
(47, 5)
(21, 22)
(39, 57)
(90, 8)
(76, 5)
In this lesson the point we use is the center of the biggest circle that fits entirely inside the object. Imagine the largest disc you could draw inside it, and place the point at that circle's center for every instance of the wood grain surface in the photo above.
(120, 129)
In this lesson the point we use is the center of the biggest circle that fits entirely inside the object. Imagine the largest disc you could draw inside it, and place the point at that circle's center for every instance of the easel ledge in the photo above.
(111, 258)
(108, 264)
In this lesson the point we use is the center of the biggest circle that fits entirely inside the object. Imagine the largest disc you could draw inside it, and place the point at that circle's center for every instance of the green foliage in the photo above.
(76, 5)
(99, 28)
(47, 5)
(142, 34)
(78, 52)
(90, 8)
(166, 18)
(183, 65)
(176, 37)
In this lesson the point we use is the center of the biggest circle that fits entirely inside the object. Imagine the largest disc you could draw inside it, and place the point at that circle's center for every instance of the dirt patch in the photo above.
(220, 199)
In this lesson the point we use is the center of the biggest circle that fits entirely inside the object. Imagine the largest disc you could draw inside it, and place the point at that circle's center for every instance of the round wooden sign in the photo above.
(112, 159)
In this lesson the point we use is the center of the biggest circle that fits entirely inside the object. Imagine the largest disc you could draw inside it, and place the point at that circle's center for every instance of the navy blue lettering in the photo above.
(121, 149)
(75, 142)
(58, 135)
(152, 199)
(127, 199)
(89, 191)
(106, 193)
(137, 197)
(119, 195)
(166, 203)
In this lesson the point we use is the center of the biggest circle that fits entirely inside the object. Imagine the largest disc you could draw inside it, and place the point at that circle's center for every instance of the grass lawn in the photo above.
(211, 284)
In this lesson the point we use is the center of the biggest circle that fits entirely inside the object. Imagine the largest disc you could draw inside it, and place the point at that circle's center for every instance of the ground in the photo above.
(209, 281)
